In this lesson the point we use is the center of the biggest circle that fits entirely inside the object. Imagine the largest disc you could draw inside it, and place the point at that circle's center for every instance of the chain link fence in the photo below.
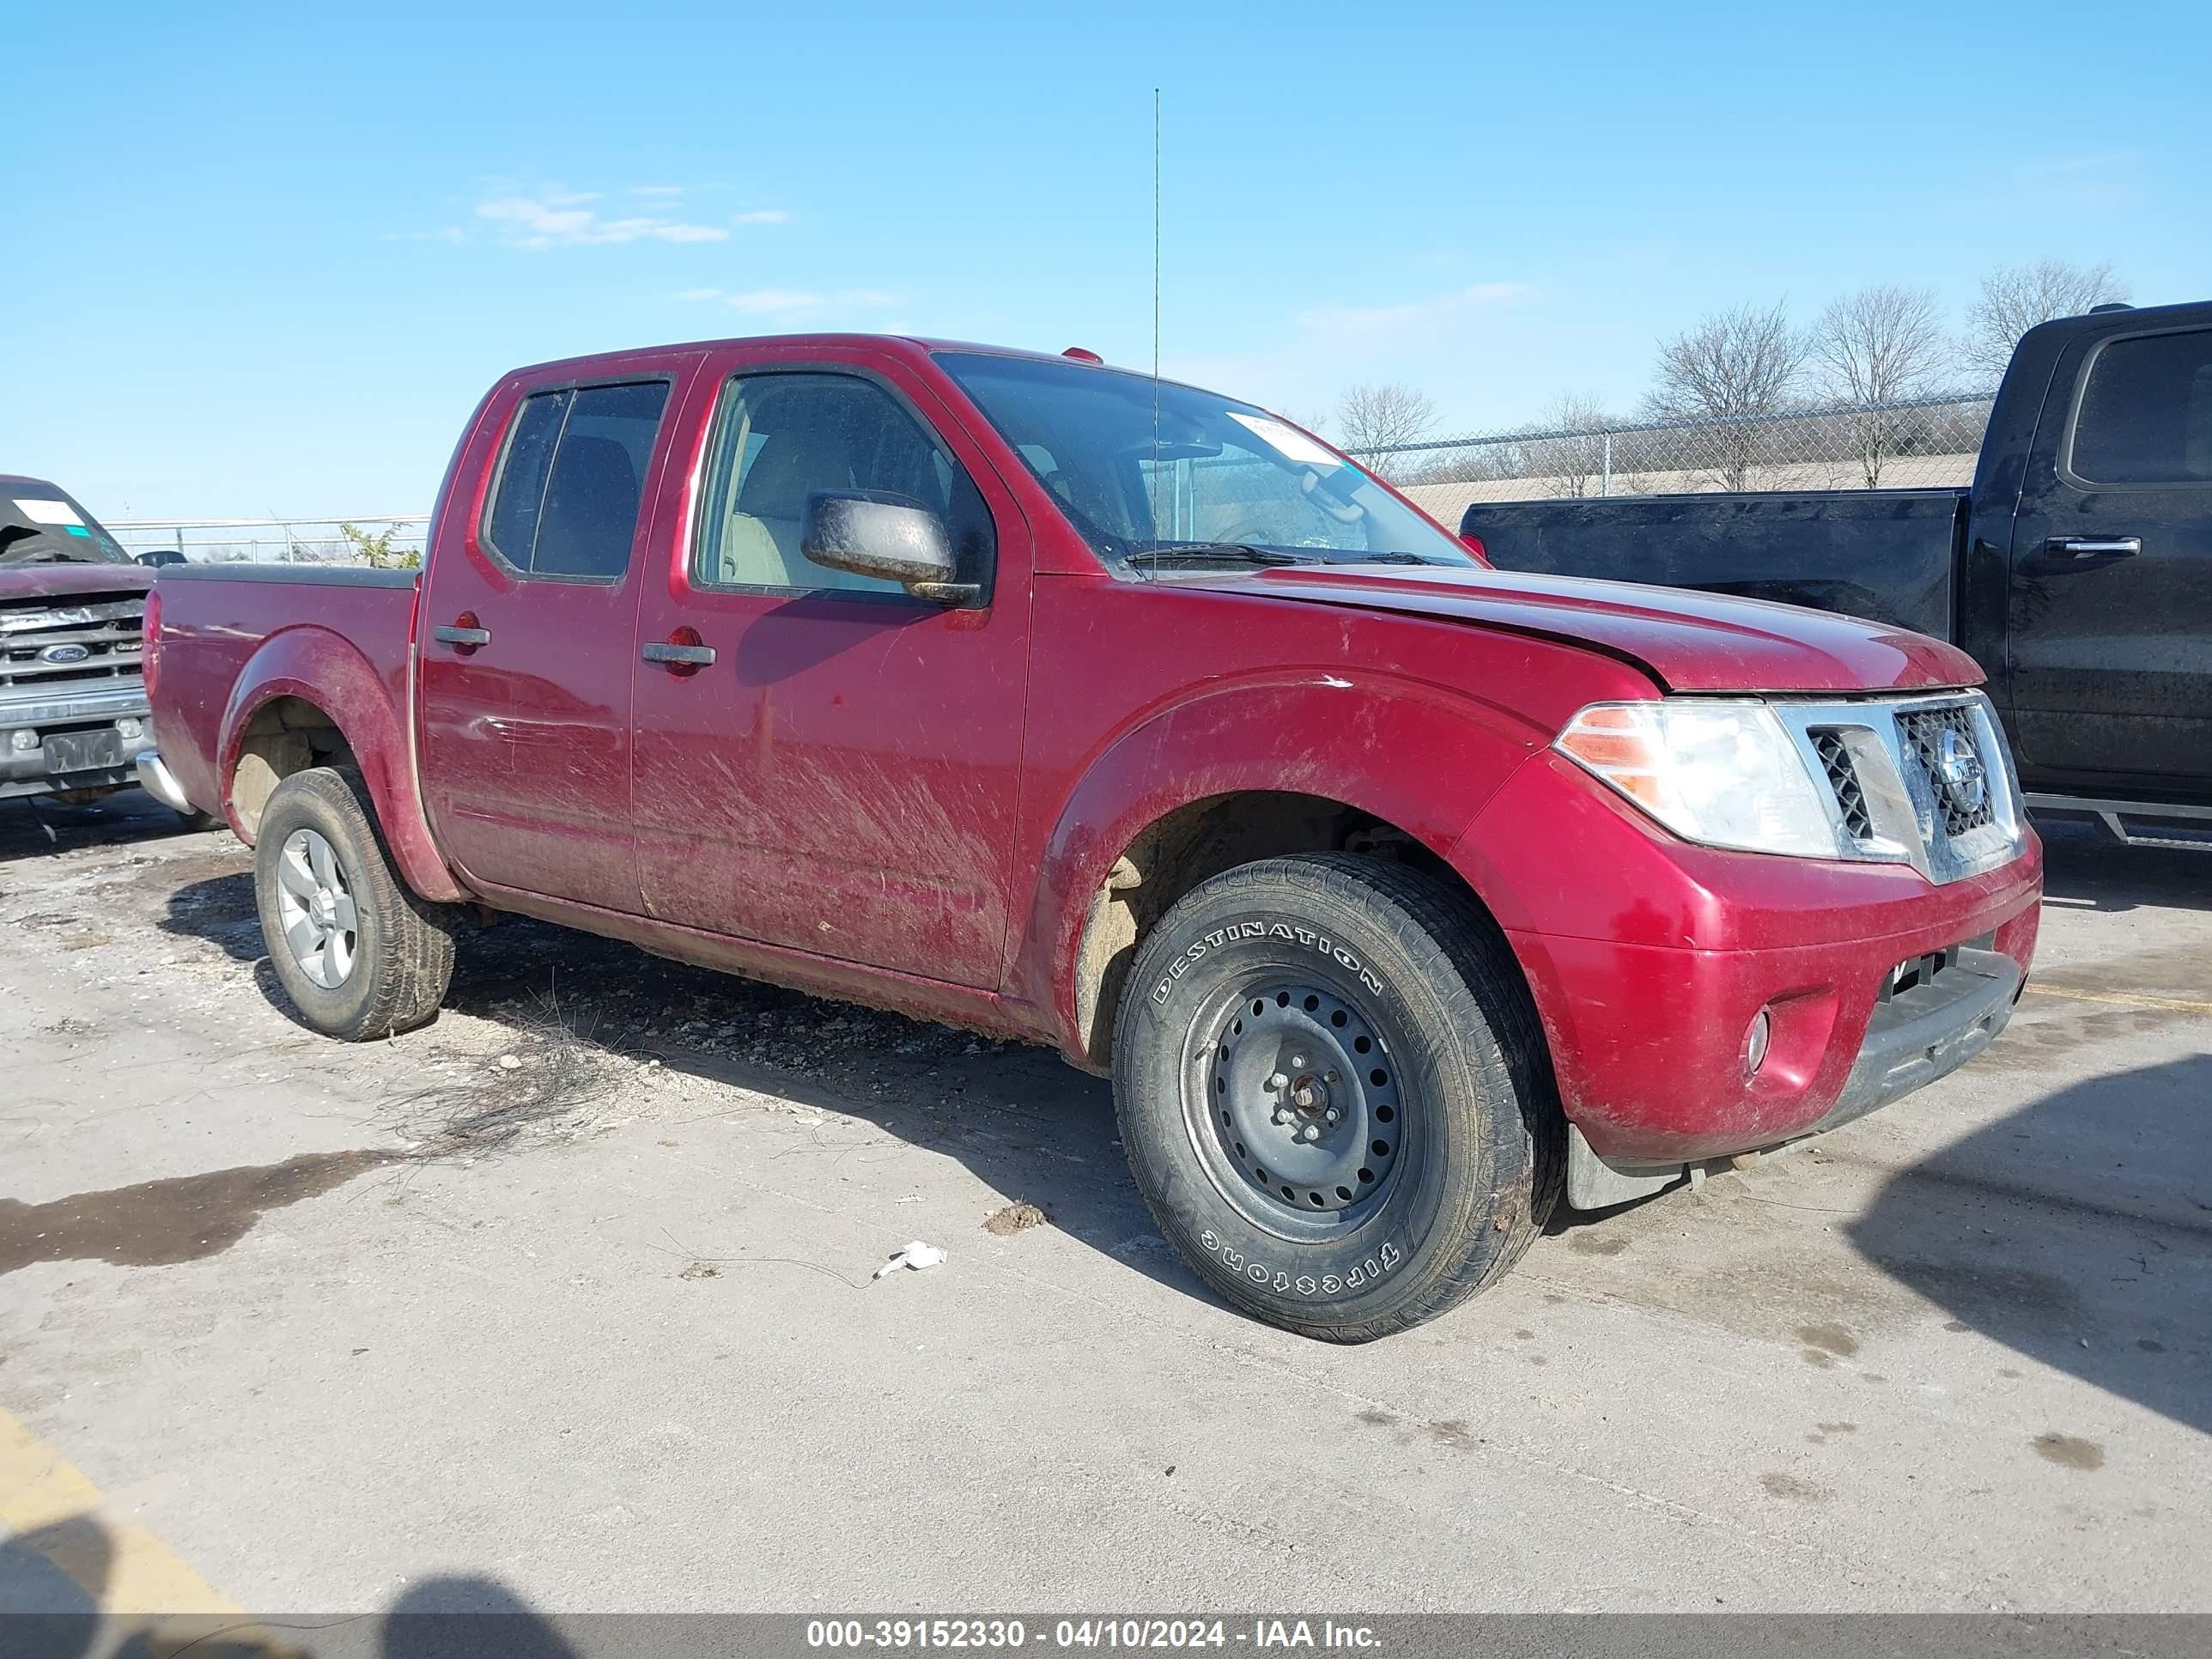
(1922, 442)
(1915, 443)
(393, 536)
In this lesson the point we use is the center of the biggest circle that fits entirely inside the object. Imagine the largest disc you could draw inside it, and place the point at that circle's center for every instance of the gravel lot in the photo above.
(566, 1298)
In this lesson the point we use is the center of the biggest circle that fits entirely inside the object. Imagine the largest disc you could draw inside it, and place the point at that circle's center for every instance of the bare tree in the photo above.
(1880, 345)
(1370, 418)
(1575, 464)
(2015, 298)
(1733, 364)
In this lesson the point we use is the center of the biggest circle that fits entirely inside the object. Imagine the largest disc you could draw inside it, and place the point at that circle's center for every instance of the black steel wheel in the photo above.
(1334, 1093)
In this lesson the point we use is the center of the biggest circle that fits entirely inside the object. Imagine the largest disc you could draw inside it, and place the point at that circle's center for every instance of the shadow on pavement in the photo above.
(467, 1618)
(38, 826)
(2085, 869)
(592, 1011)
(50, 1582)
(2077, 1231)
(54, 1584)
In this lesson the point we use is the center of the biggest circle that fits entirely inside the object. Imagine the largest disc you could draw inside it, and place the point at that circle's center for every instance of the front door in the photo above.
(2111, 670)
(836, 769)
(527, 647)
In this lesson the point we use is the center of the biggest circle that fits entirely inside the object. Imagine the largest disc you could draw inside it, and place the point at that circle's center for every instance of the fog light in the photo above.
(129, 726)
(23, 742)
(1754, 1042)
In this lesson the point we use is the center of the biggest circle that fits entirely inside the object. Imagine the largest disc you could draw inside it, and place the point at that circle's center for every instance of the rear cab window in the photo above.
(571, 480)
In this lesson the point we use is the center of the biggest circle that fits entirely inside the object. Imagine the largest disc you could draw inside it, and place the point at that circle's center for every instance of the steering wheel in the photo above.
(1246, 530)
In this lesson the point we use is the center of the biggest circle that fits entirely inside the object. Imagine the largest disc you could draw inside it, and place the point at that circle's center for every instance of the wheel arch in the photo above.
(1248, 773)
(308, 698)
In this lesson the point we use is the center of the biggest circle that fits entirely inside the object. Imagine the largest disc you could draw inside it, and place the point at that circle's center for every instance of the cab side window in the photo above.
(2146, 413)
(571, 484)
(778, 438)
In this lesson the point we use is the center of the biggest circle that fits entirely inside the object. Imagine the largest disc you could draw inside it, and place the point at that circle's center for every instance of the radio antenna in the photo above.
(1155, 491)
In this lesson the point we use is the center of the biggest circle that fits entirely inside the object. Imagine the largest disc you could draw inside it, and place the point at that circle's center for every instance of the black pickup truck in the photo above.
(2077, 568)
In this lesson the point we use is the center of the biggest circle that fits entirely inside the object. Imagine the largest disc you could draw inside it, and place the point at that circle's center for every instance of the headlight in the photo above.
(1725, 773)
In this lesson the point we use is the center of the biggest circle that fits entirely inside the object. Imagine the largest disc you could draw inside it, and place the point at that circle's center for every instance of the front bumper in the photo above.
(1913, 1038)
(74, 752)
(1649, 959)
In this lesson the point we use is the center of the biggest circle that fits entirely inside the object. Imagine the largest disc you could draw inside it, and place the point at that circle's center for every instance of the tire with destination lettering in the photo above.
(1334, 1094)
(358, 952)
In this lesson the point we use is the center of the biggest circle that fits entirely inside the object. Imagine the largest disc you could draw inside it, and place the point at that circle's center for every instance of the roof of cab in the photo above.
(909, 345)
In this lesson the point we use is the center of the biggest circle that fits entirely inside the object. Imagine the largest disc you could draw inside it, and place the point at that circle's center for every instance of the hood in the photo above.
(1685, 640)
(38, 581)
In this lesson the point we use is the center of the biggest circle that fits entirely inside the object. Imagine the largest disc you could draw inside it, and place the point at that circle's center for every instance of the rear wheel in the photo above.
(1334, 1094)
(359, 954)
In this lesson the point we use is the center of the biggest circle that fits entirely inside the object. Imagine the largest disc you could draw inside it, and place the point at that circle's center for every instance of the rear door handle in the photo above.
(458, 635)
(682, 656)
(2094, 547)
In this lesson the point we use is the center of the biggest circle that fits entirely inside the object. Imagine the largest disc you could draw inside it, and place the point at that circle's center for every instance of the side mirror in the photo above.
(160, 556)
(872, 534)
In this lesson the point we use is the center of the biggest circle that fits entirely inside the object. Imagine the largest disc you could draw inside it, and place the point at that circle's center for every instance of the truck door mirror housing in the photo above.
(870, 533)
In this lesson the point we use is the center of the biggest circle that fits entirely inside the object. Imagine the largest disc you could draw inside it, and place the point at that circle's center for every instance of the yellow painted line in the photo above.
(122, 1568)
(2173, 1004)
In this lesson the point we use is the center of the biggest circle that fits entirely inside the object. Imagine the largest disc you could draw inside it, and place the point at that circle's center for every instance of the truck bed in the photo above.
(216, 617)
(1886, 554)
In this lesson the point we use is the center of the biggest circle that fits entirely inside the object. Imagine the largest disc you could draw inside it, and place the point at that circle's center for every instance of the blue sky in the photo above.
(275, 253)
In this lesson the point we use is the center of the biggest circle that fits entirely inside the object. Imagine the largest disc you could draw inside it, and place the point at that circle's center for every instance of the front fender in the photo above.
(331, 674)
(1423, 757)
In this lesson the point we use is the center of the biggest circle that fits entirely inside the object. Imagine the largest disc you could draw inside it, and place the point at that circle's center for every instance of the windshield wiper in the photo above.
(1222, 552)
(1394, 558)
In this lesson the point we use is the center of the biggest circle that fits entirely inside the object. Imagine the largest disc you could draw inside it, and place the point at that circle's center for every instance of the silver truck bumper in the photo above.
(157, 780)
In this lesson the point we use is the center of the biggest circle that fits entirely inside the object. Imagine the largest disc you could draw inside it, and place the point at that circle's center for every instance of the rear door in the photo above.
(527, 648)
(2111, 614)
(836, 770)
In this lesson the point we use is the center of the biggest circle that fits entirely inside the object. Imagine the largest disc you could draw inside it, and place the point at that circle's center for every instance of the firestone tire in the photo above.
(1335, 1095)
(360, 955)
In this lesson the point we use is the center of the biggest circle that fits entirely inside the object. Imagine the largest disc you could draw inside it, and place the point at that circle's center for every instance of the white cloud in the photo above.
(1442, 342)
(763, 301)
(800, 302)
(665, 192)
(1367, 320)
(762, 216)
(558, 218)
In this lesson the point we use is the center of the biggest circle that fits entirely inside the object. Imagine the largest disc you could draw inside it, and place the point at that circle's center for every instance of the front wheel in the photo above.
(358, 952)
(1334, 1094)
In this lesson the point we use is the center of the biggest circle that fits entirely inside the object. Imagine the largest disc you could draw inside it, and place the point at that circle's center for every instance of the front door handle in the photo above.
(456, 635)
(680, 656)
(2094, 547)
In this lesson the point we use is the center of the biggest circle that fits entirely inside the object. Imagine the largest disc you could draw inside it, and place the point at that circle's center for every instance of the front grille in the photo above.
(1965, 808)
(62, 640)
(1919, 781)
(1844, 779)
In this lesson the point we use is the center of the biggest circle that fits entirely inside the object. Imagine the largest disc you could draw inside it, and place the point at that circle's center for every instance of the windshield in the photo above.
(1215, 477)
(42, 525)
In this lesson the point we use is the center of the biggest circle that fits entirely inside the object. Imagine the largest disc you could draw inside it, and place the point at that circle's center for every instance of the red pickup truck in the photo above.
(1395, 893)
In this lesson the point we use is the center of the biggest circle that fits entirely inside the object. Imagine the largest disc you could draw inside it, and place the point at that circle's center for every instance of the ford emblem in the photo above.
(65, 653)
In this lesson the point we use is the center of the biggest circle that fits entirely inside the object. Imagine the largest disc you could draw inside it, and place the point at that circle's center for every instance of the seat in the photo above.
(760, 544)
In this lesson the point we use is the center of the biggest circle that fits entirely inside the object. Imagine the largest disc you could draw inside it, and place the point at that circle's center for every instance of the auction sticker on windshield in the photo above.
(44, 512)
(1286, 440)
